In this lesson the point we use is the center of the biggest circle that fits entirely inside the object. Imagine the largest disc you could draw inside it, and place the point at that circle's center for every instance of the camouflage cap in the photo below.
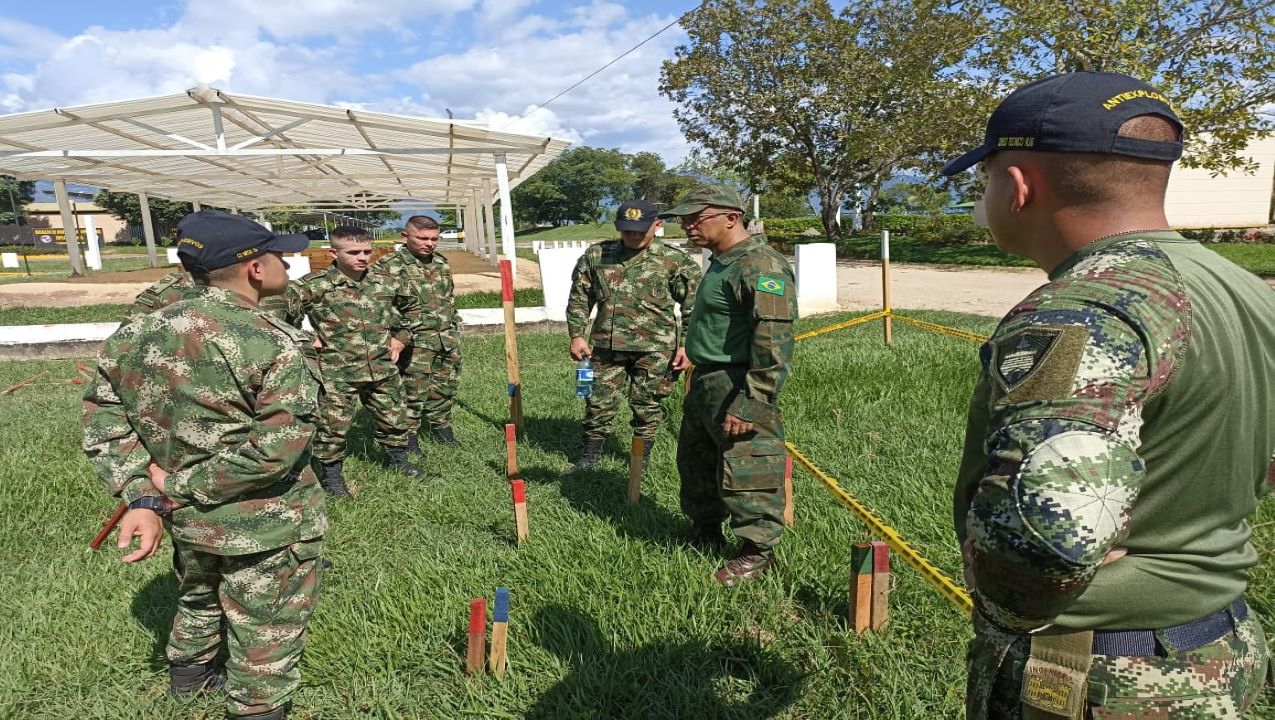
(706, 196)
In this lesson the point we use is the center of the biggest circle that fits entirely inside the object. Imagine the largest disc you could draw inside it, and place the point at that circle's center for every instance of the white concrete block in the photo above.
(556, 265)
(816, 277)
(10, 259)
(172, 257)
(536, 245)
(298, 267)
(92, 251)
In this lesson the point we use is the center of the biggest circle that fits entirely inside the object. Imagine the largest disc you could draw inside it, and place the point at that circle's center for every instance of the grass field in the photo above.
(610, 617)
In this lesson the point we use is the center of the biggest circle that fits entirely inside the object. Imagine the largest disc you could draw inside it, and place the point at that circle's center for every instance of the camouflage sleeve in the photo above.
(275, 437)
(773, 298)
(1065, 385)
(682, 286)
(580, 301)
(112, 446)
(406, 314)
(294, 304)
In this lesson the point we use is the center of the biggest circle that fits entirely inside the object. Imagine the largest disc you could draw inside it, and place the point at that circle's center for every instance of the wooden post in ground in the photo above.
(880, 584)
(885, 286)
(788, 509)
(521, 530)
(686, 389)
(109, 526)
(511, 451)
(477, 637)
(636, 451)
(511, 345)
(861, 587)
(499, 632)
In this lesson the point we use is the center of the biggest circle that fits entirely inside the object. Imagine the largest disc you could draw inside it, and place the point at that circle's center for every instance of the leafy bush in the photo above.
(897, 223)
(950, 230)
(790, 231)
(1214, 235)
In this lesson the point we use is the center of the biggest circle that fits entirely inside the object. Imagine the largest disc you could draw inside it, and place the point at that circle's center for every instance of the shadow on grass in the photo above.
(660, 680)
(154, 607)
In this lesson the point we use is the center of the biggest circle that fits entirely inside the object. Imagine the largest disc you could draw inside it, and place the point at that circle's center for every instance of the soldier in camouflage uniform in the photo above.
(166, 291)
(730, 454)
(430, 360)
(1121, 431)
(351, 313)
(202, 415)
(636, 340)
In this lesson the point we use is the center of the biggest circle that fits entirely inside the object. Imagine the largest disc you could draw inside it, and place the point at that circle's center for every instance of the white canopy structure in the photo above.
(244, 152)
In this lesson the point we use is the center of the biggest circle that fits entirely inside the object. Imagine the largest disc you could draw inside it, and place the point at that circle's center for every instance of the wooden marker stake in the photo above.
(499, 632)
(861, 587)
(885, 285)
(511, 451)
(788, 509)
(511, 345)
(520, 510)
(880, 584)
(635, 469)
(109, 526)
(686, 388)
(477, 637)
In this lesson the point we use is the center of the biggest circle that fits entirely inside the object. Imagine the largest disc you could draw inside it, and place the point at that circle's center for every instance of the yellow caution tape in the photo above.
(942, 329)
(847, 324)
(950, 590)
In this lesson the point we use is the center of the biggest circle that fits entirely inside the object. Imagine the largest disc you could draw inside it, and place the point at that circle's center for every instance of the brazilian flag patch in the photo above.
(770, 285)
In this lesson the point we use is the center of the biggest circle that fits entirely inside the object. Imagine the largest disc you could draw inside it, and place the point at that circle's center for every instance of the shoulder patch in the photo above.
(1038, 362)
(771, 285)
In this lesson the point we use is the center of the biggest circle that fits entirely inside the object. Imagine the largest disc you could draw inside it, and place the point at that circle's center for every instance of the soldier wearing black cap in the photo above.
(202, 419)
(636, 339)
(1122, 429)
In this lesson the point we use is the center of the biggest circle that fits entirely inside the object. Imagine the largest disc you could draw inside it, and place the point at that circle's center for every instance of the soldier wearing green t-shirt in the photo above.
(730, 453)
(1121, 431)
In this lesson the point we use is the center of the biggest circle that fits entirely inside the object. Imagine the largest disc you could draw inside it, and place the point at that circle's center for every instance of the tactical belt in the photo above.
(1178, 638)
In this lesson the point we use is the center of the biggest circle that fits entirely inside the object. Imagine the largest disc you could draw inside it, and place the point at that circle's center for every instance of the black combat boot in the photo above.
(398, 462)
(192, 678)
(333, 480)
(705, 536)
(443, 435)
(751, 563)
(414, 444)
(589, 457)
(278, 713)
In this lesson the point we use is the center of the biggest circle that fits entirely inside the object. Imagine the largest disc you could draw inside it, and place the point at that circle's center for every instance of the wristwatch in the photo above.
(157, 504)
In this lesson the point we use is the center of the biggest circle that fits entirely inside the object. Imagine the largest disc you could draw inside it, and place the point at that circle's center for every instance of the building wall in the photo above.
(47, 215)
(1198, 200)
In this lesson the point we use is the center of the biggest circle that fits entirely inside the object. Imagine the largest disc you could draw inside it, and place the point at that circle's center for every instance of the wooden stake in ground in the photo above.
(477, 637)
(520, 510)
(686, 388)
(861, 587)
(885, 286)
(499, 632)
(788, 509)
(24, 383)
(880, 584)
(511, 345)
(636, 452)
(109, 526)
(511, 451)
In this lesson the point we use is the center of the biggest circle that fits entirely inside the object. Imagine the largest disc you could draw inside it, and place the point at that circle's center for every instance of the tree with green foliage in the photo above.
(914, 198)
(15, 195)
(799, 95)
(1214, 60)
(165, 214)
(573, 187)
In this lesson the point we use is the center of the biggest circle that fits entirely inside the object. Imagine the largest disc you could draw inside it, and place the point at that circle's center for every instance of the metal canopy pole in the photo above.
(489, 222)
(68, 227)
(148, 228)
(506, 214)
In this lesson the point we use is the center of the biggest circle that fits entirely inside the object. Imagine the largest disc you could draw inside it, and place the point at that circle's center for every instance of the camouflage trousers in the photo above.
(431, 379)
(340, 401)
(264, 600)
(1218, 680)
(740, 479)
(649, 379)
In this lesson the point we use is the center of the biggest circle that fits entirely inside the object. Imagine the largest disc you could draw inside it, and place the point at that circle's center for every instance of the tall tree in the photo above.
(15, 195)
(794, 93)
(126, 206)
(1214, 59)
(574, 187)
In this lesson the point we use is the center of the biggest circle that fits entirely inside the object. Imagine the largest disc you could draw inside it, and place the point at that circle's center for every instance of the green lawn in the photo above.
(609, 619)
(57, 268)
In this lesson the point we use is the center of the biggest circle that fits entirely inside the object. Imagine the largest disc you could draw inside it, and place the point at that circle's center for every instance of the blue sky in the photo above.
(486, 59)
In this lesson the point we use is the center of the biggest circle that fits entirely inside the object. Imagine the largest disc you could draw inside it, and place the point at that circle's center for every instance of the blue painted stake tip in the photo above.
(513, 389)
(500, 608)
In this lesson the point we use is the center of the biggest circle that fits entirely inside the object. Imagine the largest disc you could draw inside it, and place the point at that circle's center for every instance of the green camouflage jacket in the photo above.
(166, 291)
(429, 281)
(744, 315)
(353, 320)
(223, 397)
(634, 292)
(1128, 403)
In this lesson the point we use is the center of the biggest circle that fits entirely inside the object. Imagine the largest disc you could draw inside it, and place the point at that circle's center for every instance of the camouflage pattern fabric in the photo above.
(634, 292)
(340, 401)
(1084, 435)
(1220, 680)
(431, 365)
(649, 380)
(266, 598)
(740, 479)
(166, 291)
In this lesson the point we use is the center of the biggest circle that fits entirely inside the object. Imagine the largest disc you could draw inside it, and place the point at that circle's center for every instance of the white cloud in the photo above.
(543, 122)
(20, 41)
(293, 19)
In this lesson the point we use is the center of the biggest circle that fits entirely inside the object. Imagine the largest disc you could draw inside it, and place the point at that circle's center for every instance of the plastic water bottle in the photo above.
(584, 378)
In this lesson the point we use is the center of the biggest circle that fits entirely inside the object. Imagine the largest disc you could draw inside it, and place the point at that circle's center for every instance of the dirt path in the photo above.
(471, 275)
(982, 291)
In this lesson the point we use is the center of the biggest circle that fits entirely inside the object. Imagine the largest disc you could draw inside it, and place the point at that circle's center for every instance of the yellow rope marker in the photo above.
(943, 329)
(842, 326)
(950, 590)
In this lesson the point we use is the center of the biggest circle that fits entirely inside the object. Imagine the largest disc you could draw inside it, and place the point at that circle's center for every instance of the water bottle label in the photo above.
(584, 375)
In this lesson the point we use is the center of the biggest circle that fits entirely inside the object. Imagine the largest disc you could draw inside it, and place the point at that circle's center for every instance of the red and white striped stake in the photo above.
(520, 510)
(511, 345)
(511, 451)
(788, 509)
(477, 650)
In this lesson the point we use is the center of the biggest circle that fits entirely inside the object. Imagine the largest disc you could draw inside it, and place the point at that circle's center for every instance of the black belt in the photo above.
(1187, 636)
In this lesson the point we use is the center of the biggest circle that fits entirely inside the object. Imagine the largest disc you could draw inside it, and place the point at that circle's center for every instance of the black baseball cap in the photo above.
(635, 215)
(1075, 112)
(212, 239)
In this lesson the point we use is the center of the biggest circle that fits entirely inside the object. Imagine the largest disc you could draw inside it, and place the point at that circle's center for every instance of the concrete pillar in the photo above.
(506, 214)
(816, 277)
(488, 222)
(68, 227)
(92, 251)
(148, 228)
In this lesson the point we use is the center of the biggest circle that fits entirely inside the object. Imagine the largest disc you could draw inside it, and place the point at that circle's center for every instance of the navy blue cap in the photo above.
(1075, 112)
(635, 215)
(212, 239)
